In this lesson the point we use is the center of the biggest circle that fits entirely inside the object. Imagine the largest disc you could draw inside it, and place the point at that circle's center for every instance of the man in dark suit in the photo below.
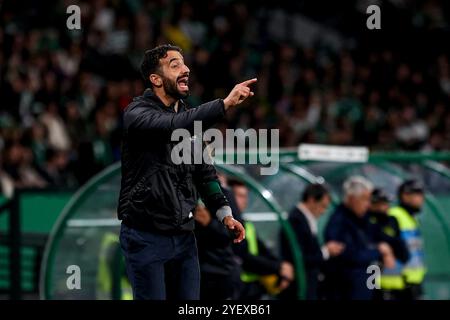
(303, 219)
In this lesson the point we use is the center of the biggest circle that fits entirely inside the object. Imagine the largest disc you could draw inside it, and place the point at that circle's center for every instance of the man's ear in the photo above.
(156, 80)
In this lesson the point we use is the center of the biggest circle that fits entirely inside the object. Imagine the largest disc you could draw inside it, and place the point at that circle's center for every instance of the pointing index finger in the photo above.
(249, 82)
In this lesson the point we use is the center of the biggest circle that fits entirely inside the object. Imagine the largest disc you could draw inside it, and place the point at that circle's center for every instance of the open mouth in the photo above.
(183, 83)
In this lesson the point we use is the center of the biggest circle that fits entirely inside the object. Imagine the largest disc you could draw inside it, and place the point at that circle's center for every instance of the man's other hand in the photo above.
(202, 215)
(235, 226)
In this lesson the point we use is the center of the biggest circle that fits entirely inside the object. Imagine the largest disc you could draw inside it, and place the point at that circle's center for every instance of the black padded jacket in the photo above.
(156, 194)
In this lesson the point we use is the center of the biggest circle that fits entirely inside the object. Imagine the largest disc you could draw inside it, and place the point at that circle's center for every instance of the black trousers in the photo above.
(160, 266)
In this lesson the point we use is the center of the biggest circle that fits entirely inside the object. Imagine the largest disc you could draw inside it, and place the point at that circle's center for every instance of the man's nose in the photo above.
(186, 69)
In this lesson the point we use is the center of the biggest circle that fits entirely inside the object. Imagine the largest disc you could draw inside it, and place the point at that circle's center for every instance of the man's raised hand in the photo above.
(240, 92)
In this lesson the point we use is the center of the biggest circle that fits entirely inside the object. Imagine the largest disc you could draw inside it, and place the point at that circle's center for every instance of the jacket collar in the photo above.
(346, 211)
(150, 95)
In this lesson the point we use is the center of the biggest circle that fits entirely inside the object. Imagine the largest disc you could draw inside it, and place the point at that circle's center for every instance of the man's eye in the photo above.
(175, 65)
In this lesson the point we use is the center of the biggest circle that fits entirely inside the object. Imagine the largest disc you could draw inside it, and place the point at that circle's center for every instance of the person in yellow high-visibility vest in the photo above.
(262, 272)
(391, 281)
(412, 273)
(270, 282)
(112, 282)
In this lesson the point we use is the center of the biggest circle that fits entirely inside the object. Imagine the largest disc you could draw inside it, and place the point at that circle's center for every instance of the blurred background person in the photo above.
(218, 267)
(391, 281)
(18, 164)
(55, 169)
(411, 199)
(262, 271)
(303, 218)
(346, 274)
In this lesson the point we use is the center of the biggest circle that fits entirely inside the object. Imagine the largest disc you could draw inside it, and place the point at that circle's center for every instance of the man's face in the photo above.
(241, 195)
(360, 203)
(318, 207)
(175, 75)
(414, 200)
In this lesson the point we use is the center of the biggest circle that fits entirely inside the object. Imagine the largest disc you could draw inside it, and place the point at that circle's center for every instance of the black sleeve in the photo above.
(260, 264)
(285, 248)
(233, 204)
(397, 244)
(147, 118)
(353, 254)
(207, 184)
(264, 251)
(399, 247)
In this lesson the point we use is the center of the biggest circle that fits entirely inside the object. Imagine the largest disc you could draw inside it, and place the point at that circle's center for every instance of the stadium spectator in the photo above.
(18, 166)
(54, 171)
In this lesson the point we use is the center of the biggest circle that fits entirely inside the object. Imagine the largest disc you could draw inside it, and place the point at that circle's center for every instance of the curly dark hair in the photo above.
(150, 63)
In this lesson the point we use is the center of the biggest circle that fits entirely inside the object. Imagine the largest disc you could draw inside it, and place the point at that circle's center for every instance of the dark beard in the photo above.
(412, 210)
(170, 87)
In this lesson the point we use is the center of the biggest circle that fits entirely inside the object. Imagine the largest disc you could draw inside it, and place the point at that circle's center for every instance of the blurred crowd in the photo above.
(62, 91)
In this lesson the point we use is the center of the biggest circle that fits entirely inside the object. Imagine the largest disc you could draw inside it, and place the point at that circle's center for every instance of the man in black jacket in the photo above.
(304, 221)
(157, 196)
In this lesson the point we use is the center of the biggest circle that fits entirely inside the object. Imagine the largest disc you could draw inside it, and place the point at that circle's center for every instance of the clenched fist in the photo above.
(240, 92)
